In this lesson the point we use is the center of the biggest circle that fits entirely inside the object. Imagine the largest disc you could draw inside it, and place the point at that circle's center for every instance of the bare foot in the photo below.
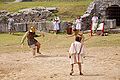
(39, 52)
(81, 73)
(71, 72)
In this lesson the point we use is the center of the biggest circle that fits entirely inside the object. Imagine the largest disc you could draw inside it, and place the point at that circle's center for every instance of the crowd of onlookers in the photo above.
(27, 16)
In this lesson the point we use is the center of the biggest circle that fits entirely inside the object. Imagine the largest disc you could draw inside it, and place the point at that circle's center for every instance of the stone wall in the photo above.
(102, 5)
(25, 16)
(98, 7)
(35, 14)
(22, 0)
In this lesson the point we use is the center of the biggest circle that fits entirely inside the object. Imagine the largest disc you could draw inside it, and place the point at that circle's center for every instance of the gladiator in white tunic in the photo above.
(76, 49)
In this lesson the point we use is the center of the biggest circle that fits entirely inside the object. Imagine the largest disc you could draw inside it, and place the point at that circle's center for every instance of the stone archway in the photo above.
(113, 12)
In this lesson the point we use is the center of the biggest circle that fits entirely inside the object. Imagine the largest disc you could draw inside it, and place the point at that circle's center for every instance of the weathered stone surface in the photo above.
(102, 5)
(22, 0)
(99, 7)
(29, 15)
(25, 16)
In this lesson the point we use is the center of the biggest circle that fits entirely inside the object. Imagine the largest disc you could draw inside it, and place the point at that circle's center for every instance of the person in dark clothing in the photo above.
(32, 42)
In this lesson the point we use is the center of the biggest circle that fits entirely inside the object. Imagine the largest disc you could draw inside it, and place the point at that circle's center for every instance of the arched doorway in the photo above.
(113, 12)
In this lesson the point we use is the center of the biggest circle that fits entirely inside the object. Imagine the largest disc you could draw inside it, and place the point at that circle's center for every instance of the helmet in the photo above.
(32, 29)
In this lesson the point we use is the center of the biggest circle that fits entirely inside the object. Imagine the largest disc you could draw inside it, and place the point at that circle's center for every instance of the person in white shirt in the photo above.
(57, 19)
(78, 23)
(75, 52)
(56, 23)
(94, 23)
(55, 26)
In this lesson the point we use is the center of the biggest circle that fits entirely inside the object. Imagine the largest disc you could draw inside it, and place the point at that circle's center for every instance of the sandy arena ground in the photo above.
(101, 63)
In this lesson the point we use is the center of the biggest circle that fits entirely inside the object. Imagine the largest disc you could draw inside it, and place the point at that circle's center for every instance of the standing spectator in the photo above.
(55, 26)
(99, 21)
(57, 19)
(94, 23)
(78, 23)
(11, 27)
(69, 27)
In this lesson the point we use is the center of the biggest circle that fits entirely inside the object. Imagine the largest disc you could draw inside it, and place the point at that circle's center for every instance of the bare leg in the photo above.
(55, 31)
(42, 34)
(80, 68)
(9, 31)
(72, 65)
(33, 51)
(38, 47)
(12, 30)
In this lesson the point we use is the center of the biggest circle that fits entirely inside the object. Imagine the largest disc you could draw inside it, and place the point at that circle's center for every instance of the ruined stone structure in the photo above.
(26, 17)
(22, 0)
(108, 8)
(102, 5)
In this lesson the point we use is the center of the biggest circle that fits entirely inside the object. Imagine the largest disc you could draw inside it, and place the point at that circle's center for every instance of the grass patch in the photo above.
(67, 10)
(104, 41)
(11, 43)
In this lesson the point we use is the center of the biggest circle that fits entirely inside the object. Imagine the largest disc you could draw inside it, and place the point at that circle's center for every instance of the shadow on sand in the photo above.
(88, 75)
(41, 55)
(93, 75)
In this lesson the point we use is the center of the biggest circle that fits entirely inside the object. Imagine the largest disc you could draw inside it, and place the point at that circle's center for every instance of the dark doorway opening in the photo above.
(113, 12)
